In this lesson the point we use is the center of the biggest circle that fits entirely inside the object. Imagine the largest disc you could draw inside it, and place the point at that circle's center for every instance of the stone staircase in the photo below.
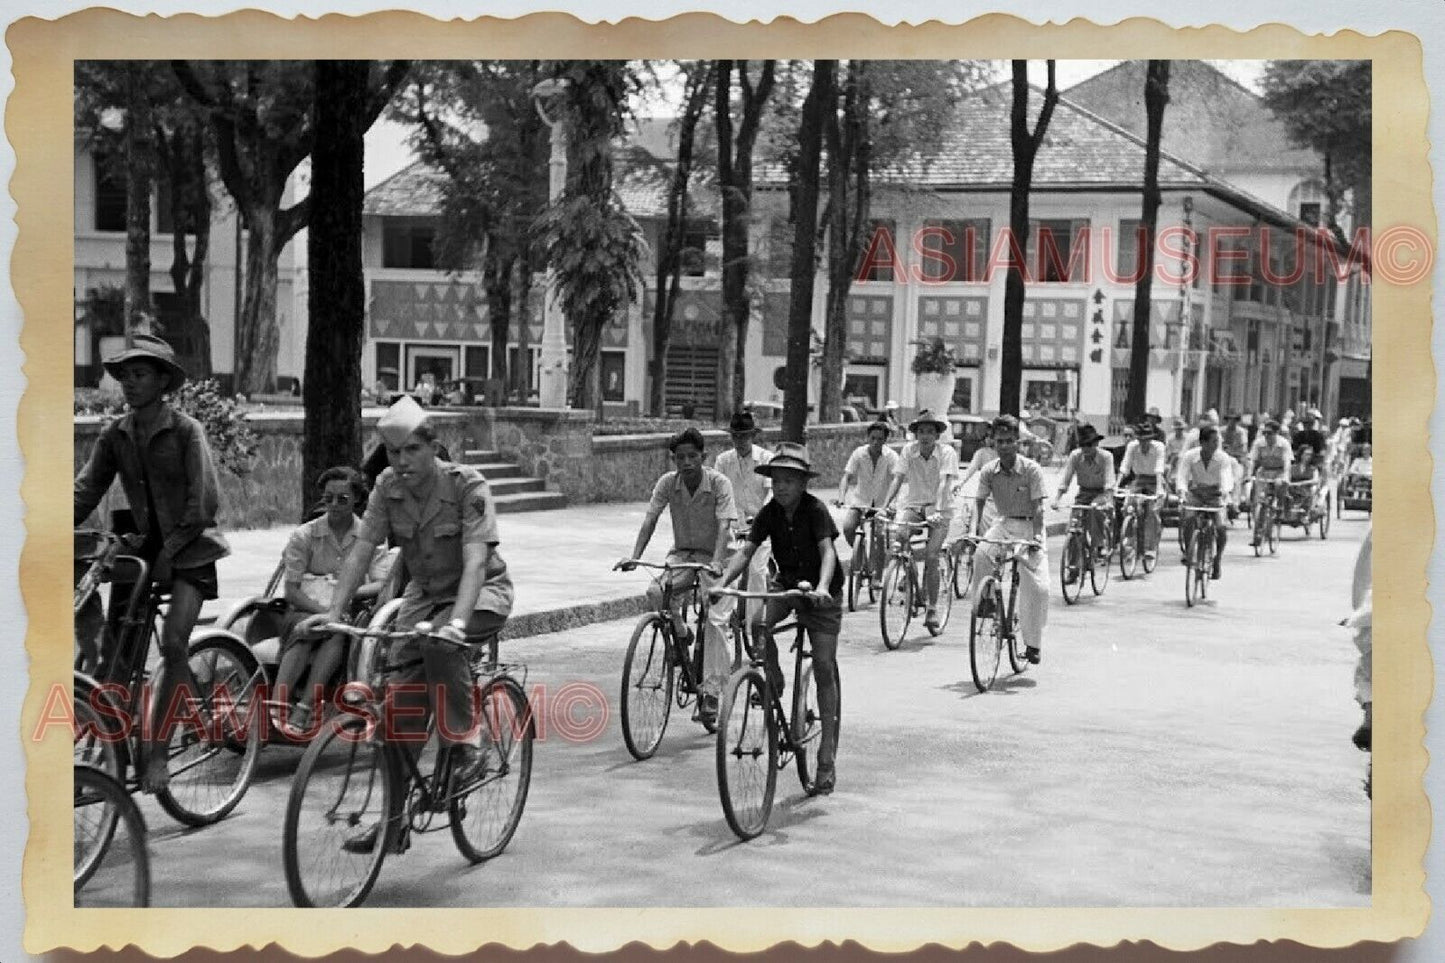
(512, 490)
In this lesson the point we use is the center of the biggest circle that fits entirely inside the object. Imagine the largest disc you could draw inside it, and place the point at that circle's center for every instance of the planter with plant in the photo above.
(934, 367)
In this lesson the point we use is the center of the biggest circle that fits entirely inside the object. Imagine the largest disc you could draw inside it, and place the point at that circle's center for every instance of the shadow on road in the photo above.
(1008, 685)
(788, 813)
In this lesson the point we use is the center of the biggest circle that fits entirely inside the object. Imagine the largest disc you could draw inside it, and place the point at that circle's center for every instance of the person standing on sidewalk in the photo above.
(801, 532)
(700, 503)
(1016, 485)
(930, 470)
(165, 467)
(750, 491)
(865, 482)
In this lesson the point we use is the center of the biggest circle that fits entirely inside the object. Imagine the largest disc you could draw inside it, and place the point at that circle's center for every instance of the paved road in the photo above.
(1160, 756)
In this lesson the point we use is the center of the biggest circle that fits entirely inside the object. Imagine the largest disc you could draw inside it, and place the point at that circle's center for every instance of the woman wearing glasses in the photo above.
(312, 559)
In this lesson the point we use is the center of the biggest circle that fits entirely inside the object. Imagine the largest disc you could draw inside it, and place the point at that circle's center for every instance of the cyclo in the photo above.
(357, 779)
(1306, 500)
(214, 738)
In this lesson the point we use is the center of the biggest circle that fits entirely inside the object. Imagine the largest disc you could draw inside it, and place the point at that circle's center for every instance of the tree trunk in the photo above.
(805, 219)
(257, 333)
(1156, 95)
(190, 214)
(848, 196)
(336, 298)
(139, 173)
(497, 283)
(585, 383)
(1025, 147)
(522, 318)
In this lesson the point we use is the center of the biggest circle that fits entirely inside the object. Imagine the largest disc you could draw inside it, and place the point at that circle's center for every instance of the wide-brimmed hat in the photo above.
(400, 420)
(1088, 434)
(151, 348)
(791, 456)
(742, 423)
(1146, 429)
(1154, 415)
(926, 417)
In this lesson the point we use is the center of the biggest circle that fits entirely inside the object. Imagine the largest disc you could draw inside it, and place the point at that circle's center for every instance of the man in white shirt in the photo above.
(930, 469)
(1140, 471)
(1269, 460)
(1205, 477)
(865, 482)
(750, 492)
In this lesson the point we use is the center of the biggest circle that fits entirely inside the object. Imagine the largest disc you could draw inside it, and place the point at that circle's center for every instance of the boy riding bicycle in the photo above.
(800, 530)
(165, 468)
(930, 470)
(1095, 472)
(1269, 460)
(865, 482)
(1204, 479)
(1140, 471)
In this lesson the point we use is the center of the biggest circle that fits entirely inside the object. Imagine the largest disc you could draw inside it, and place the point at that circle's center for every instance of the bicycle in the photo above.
(902, 595)
(1131, 515)
(994, 622)
(1264, 518)
(757, 736)
(213, 748)
(865, 566)
(658, 667)
(1082, 557)
(355, 776)
(1199, 555)
(105, 815)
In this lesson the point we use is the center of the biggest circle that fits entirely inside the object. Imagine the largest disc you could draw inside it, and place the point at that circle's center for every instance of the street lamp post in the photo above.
(552, 389)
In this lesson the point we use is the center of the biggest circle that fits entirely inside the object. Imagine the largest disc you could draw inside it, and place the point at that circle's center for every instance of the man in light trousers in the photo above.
(751, 491)
(1016, 485)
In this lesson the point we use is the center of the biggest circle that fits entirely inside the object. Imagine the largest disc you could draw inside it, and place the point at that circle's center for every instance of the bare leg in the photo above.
(175, 677)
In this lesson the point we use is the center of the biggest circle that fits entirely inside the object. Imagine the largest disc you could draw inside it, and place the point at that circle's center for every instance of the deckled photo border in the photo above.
(39, 125)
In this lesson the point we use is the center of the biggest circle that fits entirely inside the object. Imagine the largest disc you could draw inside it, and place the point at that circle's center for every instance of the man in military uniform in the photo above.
(442, 517)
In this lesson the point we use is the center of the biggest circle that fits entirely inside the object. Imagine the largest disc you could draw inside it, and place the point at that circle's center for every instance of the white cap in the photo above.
(400, 420)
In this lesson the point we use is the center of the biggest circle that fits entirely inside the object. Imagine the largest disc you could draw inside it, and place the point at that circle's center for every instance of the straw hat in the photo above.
(151, 348)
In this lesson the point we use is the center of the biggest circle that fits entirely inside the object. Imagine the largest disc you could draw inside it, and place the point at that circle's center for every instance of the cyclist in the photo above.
(801, 531)
(1205, 477)
(1269, 460)
(930, 469)
(1140, 471)
(1177, 442)
(750, 491)
(1095, 472)
(865, 480)
(963, 519)
(165, 468)
(442, 517)
(700, 503)
(1016, 485)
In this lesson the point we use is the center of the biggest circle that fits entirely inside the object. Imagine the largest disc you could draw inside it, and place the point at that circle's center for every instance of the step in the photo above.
(516, 486)
(530, 502)
(498, 469)
(477, 456)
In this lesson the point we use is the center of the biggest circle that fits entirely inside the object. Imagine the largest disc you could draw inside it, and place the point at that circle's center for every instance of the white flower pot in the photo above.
(935, 392)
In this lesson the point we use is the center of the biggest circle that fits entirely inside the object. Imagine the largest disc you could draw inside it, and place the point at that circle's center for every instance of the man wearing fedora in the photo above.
(801, 532)
(442, 517)
(1095, 471)
(169, 478)
(750, 492)
(1140, 470)
(929, 469)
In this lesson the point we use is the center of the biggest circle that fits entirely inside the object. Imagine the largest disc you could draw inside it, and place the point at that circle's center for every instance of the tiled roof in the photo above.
(1210, 119)
(415, 191)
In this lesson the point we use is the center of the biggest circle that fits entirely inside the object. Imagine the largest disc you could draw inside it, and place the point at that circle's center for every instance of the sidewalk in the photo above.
(560, 561)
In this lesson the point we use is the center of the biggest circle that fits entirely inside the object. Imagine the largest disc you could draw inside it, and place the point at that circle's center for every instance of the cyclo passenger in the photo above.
(442, 517)
(1269, 460)
(1095, 471)
(1016, 485)
(700, 503)
(930, 470)
(865, 482)
(750, 492)
(800, 530)
(1311, 441)
(1140, 471)
(1205, 476)
(165, 468)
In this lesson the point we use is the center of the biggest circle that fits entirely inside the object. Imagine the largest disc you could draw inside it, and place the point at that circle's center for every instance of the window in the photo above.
(388, 364)
(863, 388)
(694, 255)
(614, 375)
(962, 393)
(407, 245)
(1059, 251)
(880, 252)
(1310, 212)
(478, 361)
(955, 251)
(1129, 249)
(109, 200)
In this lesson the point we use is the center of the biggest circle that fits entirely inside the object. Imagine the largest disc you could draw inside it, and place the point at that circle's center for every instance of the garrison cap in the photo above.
(400, 420)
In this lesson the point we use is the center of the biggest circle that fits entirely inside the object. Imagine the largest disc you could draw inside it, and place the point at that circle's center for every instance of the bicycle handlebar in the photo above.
(980, 540)
(1141, 496)
(795, 593)
(670, 566)
(418, 631)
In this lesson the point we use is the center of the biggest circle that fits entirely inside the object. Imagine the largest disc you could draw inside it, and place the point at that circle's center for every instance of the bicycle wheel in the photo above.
(1275, 527)
(1099, 570)
(895, 605)
(1325, 517)
(806, 721)
(945, 593)
(211, 770)
(1191, 555)
(342, 790)
(1128, 547)
(1256, 528)
(962, 571)
(99, 741)
(648, 676)
(1144, 548)
(112, 864)
(1010, 629)
(747, 753)
(984, 639)
(1203, 565)
(1071, 567)
(486, 811)
(855, 583)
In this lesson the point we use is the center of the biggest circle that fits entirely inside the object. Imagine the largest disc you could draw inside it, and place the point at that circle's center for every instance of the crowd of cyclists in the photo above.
(748, 517)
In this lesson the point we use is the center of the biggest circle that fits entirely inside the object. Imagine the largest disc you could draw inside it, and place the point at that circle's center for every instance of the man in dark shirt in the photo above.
(801, 531)
(1309, 435)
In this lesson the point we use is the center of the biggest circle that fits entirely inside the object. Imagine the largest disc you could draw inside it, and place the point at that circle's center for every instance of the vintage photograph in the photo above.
(1009, 425)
